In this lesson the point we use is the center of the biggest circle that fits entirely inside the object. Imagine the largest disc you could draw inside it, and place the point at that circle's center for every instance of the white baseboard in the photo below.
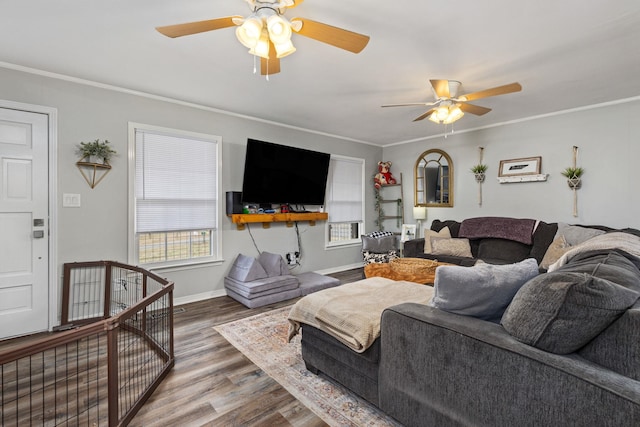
(340, 268)
(199, 297)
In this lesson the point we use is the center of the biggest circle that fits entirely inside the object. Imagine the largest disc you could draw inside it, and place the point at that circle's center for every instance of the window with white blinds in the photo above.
(176, 196)
(345, 200)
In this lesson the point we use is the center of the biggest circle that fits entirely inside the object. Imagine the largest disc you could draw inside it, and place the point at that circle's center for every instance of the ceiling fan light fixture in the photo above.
(284, 49)
(279, 29)
(250, 31)
(455, 113)
(261, 48)
(446, 114)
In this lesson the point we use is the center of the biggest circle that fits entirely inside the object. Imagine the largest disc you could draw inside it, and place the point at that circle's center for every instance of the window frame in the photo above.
(361, 224)
(132, 237)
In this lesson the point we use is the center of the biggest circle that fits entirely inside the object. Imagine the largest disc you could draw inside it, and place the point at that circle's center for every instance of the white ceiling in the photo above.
(566, 54)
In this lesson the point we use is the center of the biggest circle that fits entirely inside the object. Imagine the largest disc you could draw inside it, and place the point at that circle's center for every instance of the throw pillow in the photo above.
(560, 312)
(452, 247)
(444, 233)
(483, 291)
(556, 249)
(575, 234)
(273, 264)
(246, 269)
(378, 245)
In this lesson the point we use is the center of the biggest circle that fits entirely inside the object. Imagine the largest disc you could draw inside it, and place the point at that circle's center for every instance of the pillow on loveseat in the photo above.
(483, 291)
(562, 311)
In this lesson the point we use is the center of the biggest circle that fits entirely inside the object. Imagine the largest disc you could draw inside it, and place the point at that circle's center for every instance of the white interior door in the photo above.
(24, 223)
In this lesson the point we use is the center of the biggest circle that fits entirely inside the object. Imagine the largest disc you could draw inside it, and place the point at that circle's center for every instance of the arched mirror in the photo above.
(433, 176)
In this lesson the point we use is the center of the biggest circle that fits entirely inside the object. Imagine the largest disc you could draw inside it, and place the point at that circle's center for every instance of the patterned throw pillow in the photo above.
(556, 249)
(451, 247)
(444, 233)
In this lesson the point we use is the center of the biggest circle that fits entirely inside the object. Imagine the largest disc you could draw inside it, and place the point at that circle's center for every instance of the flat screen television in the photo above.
(279, 174)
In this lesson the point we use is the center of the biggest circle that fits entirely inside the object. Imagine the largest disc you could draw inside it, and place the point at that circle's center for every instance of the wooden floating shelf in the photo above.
(266, 219)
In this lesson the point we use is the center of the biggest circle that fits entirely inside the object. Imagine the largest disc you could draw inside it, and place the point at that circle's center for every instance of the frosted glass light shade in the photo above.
(419, 212)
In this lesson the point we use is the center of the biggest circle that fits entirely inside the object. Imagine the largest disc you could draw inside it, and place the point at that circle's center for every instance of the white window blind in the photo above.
(175, 184)
(345, 190)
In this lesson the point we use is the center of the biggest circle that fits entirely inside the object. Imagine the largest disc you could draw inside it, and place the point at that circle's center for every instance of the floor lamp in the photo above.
(419, 213)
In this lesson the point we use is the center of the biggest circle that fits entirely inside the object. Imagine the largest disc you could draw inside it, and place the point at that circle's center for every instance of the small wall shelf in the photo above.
(266, 219)
(93, 173)
(523, 178)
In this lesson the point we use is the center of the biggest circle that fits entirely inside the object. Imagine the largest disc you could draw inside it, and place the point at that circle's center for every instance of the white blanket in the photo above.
(617, 240)
(351, 312)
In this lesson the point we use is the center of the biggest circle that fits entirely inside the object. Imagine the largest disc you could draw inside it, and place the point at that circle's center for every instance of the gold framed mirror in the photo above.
(433, 179)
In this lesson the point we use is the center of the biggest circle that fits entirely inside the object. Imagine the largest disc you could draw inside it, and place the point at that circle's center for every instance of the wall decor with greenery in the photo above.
(94, 160)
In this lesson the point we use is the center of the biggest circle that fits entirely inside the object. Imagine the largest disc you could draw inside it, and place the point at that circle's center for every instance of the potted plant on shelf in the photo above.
(97, 151)
(573, 175)
(479, 172)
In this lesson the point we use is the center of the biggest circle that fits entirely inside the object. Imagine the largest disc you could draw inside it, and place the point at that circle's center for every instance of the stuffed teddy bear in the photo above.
(383, 177)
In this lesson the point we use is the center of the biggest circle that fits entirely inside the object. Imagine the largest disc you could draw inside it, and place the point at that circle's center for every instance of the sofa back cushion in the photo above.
(617, 347)
(454, 226)
(542, 238)
(562, 311)
(506, 251)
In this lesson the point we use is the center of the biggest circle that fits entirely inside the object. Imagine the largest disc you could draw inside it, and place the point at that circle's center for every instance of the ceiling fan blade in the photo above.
(271, 65)
(500, 90)
(473, 109)
(189, 28)
(441, 88)
(410, 104)
(425, 115)
(338, 37)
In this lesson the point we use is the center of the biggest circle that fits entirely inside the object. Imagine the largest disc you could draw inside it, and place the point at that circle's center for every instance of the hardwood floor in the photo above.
(213, 384)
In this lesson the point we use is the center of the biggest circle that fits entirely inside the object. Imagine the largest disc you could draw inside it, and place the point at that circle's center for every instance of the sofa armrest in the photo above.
(413, 248)
(439, 368)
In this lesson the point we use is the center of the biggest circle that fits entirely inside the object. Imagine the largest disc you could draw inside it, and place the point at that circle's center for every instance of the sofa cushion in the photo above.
(247, 269)
(508, 251)
(543, 235)
(444, 233)
(483, 291)
(611, 265)
(562, 311)
(556, 249)
(273, 264)
(452, 247)
(378, 245)
(454, 226)
(575, 234)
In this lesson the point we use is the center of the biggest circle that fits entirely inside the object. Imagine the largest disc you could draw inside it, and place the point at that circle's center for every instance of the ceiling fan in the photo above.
(449, 106)
(267, 33)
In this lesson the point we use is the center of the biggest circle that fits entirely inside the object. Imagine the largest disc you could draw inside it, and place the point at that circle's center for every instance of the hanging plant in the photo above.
(479, 172)
(573, 175)
(96, 151)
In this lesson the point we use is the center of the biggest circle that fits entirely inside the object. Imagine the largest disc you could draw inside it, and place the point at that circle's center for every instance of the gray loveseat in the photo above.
(566, 354)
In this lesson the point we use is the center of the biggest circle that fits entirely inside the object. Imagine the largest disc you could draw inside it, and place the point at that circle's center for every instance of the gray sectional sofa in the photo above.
(565, 352)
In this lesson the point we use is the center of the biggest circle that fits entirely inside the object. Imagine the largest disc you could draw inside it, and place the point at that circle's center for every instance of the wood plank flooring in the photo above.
(213, 384)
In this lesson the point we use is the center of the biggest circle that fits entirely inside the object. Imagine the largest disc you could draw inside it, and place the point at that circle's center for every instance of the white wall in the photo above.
(608, 148)
(98, 229)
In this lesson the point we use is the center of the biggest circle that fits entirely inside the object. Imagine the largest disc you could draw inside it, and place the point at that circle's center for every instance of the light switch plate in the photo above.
(70, 200)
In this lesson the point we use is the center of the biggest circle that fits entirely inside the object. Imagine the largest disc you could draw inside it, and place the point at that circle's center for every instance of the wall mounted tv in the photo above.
(279, 174)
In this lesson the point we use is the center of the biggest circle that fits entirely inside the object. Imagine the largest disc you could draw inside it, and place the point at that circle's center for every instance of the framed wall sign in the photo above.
(408, 232)
(525, 166)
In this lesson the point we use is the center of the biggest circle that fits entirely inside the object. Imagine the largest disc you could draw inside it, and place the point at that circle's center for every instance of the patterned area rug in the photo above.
(263, 339)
